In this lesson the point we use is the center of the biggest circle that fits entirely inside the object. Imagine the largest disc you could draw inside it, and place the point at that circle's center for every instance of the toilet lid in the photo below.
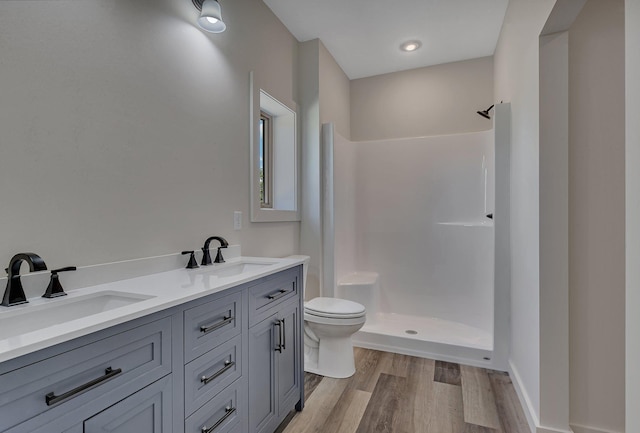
(334, 307)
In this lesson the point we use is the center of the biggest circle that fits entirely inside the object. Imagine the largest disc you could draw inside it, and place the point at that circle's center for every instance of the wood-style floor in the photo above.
(404, 394)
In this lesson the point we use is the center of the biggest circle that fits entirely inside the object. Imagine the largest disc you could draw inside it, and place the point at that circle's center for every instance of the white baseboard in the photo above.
(525, 401)
(532, 417)
(527, 406)
(577, 428)
(551, 430)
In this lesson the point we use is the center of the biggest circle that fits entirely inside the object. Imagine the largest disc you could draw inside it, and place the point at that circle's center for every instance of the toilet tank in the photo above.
(363, 288)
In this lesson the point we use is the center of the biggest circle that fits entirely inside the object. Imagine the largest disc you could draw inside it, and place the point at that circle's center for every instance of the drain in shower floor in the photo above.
(411, 332)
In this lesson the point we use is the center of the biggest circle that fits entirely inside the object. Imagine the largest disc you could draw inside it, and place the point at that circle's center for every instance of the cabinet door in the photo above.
(146, 411)
(288, 362)
(262, 360)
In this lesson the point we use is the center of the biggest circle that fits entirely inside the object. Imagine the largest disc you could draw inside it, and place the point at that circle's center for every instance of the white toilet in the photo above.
(328, 326)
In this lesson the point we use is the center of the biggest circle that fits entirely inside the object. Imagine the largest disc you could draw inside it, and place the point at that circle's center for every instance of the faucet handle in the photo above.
(67, 269)
(54, 289)
(192, 260)
(219, 258)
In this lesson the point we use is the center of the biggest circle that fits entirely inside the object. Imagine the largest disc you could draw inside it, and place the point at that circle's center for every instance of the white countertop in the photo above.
(165, 289)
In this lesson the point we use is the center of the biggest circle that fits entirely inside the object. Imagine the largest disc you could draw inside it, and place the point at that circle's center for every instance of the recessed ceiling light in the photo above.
(410, 46)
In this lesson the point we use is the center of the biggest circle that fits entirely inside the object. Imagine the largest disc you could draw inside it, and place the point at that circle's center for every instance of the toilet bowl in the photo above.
(328, 326)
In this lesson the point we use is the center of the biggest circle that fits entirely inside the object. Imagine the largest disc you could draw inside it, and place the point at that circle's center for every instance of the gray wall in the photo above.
(435, 100)
(125, 128)
(597, 216)
(554, 225)
(632, 191)
(335, 103)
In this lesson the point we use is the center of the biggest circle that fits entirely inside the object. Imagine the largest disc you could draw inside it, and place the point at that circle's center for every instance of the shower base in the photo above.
(427, 337)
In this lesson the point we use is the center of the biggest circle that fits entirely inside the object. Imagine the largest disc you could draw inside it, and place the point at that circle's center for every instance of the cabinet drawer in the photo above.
(222, 414)
(121, 364)
(147, 411)
(209, 374)
(271, 293)
(210, 324)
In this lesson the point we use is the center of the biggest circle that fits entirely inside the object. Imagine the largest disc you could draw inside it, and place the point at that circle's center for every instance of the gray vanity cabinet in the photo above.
(275, 351)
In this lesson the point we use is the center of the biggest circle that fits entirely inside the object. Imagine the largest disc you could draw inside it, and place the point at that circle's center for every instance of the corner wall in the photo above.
(311, 225)
(554, 229)
(335, 88)
(324, 94)
(516, 81)
(632, 201)
(597, 217)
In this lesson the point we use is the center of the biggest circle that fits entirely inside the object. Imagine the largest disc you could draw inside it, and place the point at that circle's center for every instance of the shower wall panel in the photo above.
(417, 216)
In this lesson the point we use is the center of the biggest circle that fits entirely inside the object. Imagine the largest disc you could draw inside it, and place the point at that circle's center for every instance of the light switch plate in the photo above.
(237, 220)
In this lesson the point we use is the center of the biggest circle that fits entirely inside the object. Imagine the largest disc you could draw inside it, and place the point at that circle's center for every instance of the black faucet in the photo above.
(14, 294)
(206, 256)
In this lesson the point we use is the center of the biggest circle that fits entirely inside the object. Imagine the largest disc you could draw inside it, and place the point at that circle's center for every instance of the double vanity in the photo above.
(216, 349)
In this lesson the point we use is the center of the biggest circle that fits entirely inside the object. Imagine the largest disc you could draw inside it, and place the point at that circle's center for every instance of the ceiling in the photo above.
(364, 36)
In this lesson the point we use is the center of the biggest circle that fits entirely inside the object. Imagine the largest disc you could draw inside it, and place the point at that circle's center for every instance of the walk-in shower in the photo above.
(416, 213)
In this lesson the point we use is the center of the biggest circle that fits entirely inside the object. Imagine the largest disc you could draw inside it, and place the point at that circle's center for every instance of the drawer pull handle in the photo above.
(227, 365)
(220, 324)
(109, 373)
(280, 294)
(229, 411)
(279, 324)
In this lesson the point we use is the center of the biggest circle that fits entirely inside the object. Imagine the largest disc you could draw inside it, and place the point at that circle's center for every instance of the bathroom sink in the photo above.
(233, 269)
(33, 317)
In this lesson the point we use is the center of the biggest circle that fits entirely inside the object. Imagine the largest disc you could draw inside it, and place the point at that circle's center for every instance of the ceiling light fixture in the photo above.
(410, 46)
(210, 18)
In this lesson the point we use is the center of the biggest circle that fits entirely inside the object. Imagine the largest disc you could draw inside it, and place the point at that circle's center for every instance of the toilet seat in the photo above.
(334, 307)
(334, 311)
(334, 316)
